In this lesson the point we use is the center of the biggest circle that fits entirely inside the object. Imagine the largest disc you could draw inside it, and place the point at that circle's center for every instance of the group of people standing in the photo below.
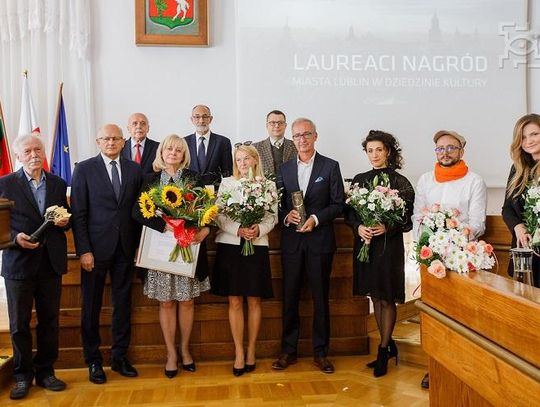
(106, 225)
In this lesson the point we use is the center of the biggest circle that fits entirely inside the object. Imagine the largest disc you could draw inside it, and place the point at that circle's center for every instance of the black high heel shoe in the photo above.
(238, 372)
(381, 366)
(392, 353)
(190, 367)
(250, 368)
(171, 373)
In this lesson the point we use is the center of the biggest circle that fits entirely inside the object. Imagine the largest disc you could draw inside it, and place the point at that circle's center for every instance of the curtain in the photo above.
(51, 40)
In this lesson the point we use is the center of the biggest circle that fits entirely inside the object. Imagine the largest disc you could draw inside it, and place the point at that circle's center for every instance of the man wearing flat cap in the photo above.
(451, 185)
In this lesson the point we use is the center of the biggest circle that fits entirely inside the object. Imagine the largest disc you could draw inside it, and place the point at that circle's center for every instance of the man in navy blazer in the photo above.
(33, 271)
(103, 191)
(309, 248)
(139, 147)
(211, 153)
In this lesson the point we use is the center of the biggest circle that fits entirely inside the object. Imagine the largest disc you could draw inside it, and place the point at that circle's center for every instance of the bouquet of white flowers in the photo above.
(531, 213)
(375, 204)
(248, 203)
(444, 244)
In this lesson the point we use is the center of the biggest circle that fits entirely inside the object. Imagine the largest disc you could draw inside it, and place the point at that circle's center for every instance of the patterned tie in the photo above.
(278, 143)
(138, 153)
(201, 155)
(115, 179)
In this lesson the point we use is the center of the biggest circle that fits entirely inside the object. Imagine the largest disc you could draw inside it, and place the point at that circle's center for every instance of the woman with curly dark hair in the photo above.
(383, 278)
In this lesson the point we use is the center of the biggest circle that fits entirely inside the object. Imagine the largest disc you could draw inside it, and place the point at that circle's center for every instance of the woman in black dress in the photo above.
(383, 278)
(525, 153)
(238, 276)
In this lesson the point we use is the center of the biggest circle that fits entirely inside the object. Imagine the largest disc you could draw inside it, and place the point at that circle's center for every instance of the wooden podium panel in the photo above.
(5, 223)
(482, 334)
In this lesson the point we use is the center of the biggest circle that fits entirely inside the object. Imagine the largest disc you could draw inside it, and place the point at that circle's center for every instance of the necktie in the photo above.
(201, 155)
(278, 144)
(138, 153)
(115, 179)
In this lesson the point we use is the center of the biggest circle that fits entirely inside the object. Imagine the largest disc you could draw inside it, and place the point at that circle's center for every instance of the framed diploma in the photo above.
(154, 251)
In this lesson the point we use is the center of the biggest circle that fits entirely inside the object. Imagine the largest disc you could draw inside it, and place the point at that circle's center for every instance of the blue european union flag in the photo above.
(60, 162)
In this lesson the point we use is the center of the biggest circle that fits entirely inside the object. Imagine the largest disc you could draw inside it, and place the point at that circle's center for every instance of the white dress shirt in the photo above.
(206, 140)
(134, 147)
(108, 166)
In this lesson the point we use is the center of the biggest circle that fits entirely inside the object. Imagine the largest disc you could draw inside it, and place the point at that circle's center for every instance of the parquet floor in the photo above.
(214, 385)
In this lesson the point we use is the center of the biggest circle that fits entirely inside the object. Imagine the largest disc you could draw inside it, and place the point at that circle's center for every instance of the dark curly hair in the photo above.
(395, 160)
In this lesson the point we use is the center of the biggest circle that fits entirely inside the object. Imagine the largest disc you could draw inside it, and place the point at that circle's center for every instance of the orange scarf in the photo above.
(445, 174)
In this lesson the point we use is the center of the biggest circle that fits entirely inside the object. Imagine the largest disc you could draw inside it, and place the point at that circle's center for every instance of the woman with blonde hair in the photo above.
(525, 170)
(175, 293)
(238, 276)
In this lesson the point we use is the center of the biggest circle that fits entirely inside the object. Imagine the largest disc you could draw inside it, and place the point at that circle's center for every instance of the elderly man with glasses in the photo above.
(211, 153)
(275, 149)
(103, 192)
(451, 185)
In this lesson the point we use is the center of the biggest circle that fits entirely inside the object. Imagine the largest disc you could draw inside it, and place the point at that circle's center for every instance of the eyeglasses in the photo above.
(306, 135)
(275, 123)
(107, 139)
(199, 117)
(245, 143)
(448, 149)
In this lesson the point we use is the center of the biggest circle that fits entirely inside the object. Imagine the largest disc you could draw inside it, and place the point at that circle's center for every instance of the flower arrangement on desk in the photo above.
(531, 214)
(445, 244)
(248, 204)
(185, 208)
(375, 204)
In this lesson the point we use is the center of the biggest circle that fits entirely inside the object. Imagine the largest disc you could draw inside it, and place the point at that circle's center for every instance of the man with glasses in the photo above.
(451, 185)
(103, 192)
(308, 248)
(139, 147)
(211, 153)
(275, 149)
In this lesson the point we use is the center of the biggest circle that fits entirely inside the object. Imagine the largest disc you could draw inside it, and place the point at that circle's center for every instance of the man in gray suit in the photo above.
(275, 149)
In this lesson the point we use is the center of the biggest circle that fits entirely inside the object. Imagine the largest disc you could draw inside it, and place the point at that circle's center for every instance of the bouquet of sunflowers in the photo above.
(185, 208)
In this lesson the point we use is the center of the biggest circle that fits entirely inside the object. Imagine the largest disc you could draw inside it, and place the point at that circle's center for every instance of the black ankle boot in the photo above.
(381, 365)
(392, 353)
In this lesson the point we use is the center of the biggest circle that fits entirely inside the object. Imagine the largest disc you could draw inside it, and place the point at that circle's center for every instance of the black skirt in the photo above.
(238, 275)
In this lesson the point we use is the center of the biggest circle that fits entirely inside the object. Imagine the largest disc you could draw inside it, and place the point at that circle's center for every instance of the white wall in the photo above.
(165, 83)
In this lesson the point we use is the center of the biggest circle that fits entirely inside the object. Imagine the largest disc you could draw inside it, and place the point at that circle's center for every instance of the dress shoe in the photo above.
(96, 373)
(51, 383)
(324, 364)
(190, 367)
(171, 373)
(284, 360)
(123, 367)
(238, 372)
(250, 368)
(20, 390)
(425, 381)
(392, 352)
(381, 366)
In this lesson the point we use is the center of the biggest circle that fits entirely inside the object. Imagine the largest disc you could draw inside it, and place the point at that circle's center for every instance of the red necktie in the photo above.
(138, 153)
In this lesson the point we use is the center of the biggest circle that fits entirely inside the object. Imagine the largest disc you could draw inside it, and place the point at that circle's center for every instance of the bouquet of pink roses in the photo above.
(375, 204)
(444, 244)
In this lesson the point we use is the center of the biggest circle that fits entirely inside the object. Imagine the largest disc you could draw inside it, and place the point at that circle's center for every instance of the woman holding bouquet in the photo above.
(525, 154)
(238, 272)
(175, 293)
(383, 276)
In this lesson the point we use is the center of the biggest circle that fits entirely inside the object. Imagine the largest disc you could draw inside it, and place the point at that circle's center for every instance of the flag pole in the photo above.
(56, 120)
(6, 136)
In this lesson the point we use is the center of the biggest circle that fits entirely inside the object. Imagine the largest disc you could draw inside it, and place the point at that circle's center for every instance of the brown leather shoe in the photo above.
(324, 364)
(425, 381)
(284, 360)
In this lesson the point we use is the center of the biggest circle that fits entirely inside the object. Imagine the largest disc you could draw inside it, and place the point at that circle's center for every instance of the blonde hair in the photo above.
(171, 140)
(525, 165)
(253, 153)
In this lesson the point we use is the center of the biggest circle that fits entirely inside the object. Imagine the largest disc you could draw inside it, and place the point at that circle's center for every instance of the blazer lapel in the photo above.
(289, 151)
(294, 176)
(317, 167)
(210, 151)
(27, 192)
(104, 175)
(126, 150)
(192, 145)
(266, 154)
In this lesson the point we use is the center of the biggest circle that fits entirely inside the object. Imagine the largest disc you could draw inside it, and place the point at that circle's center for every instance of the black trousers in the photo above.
(120, 268)
(318, 268)
(44, 289)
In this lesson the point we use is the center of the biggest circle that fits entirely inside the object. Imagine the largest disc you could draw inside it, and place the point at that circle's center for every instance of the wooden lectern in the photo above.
(5, 223)
(481, 332)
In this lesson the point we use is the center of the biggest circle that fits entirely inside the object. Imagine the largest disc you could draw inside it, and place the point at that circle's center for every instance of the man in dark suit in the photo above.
(139, 147)
(275, 149)
(103, 192)
(309, 248)
(33, 271)
(211, 153)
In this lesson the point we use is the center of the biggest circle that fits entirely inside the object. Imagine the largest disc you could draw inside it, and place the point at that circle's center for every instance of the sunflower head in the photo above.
(210, 192)
(147, 205)
(209, 215)
(171, 196)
